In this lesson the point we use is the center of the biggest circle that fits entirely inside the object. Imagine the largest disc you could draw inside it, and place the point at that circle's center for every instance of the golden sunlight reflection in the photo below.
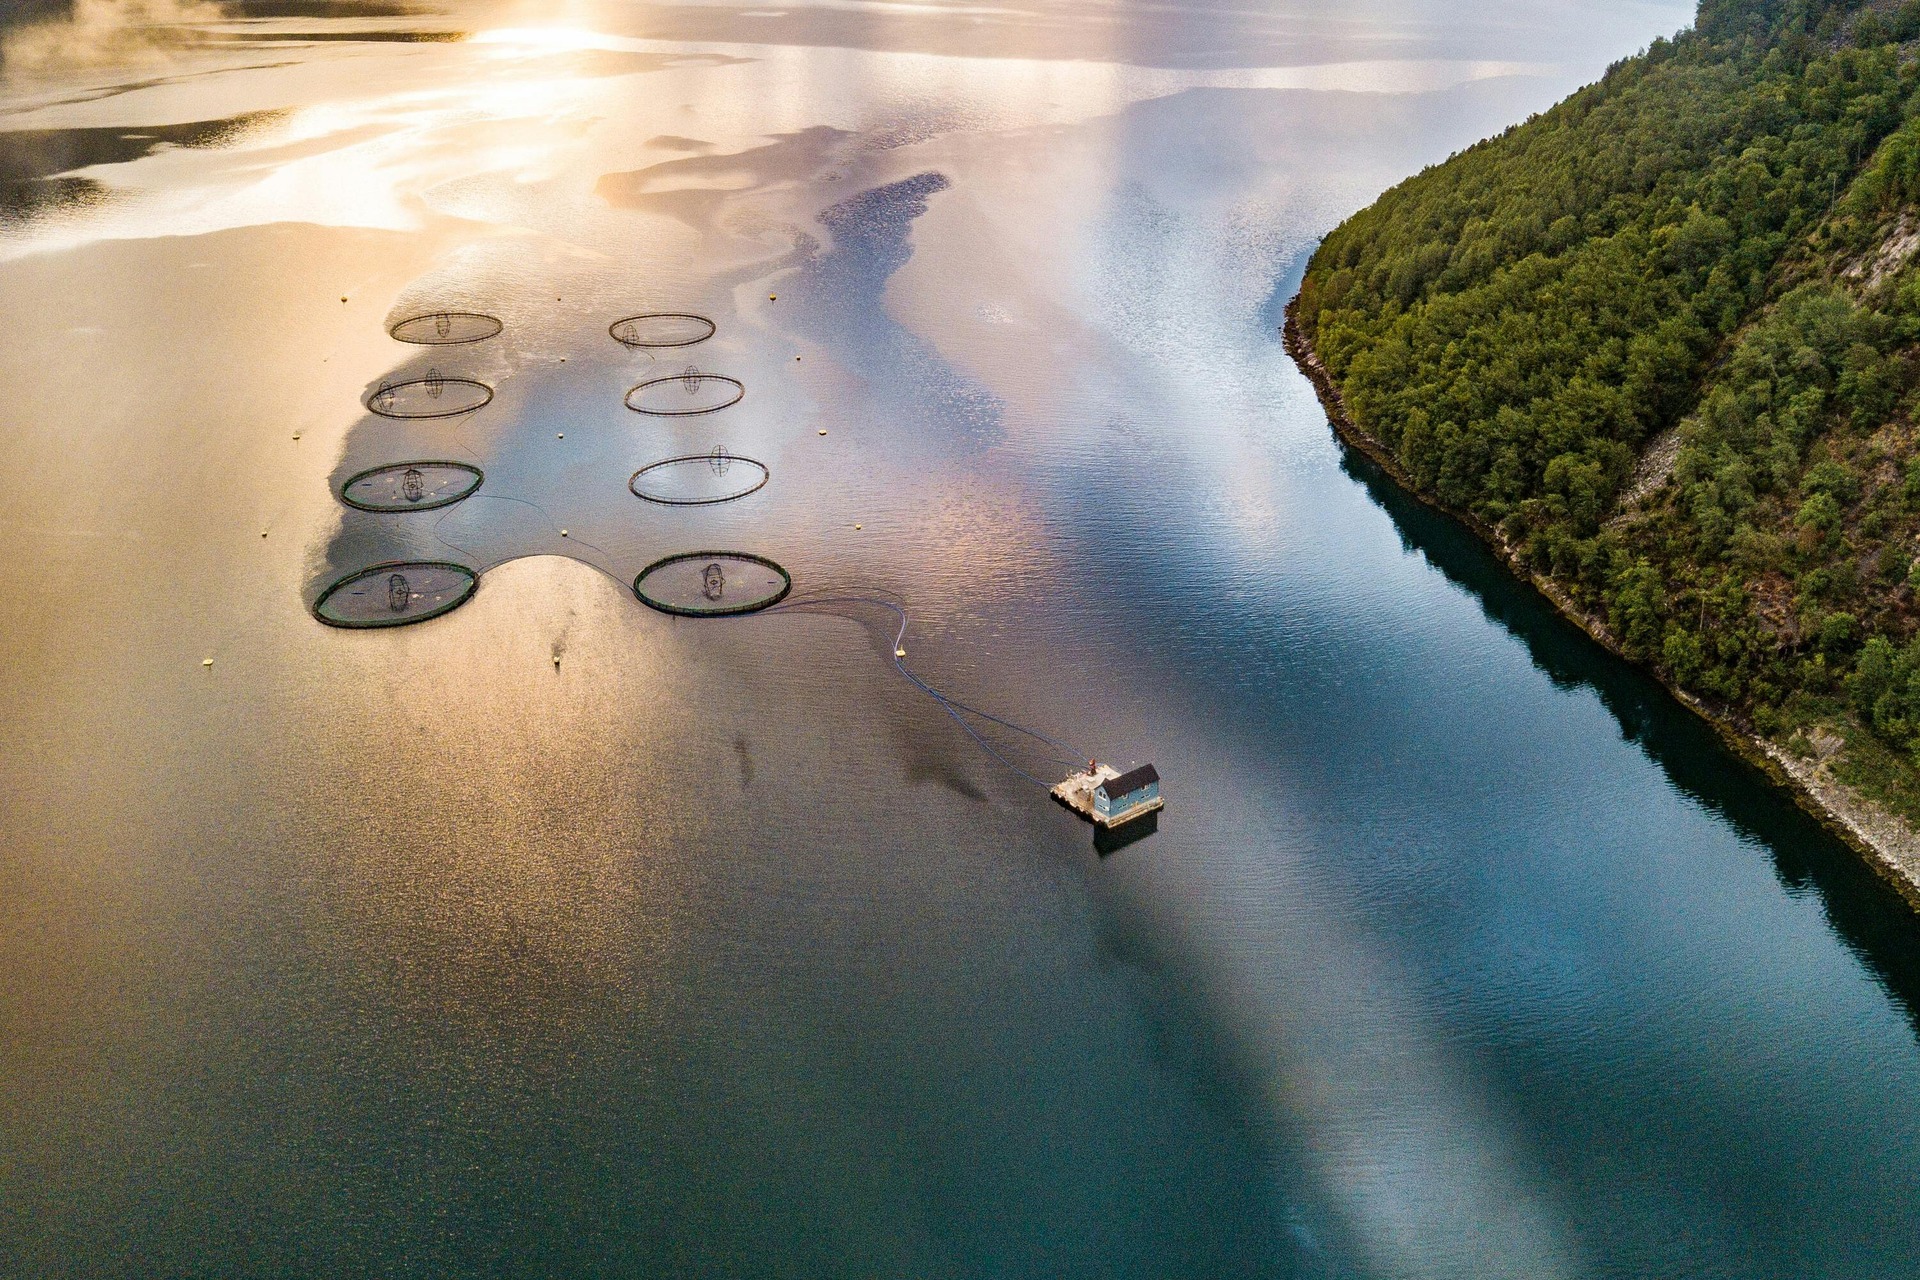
(518, 103)
(504, 878)
(344, 161)
(512, 42)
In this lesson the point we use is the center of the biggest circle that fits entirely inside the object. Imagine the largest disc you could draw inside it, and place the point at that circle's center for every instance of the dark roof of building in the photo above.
(1128, 783)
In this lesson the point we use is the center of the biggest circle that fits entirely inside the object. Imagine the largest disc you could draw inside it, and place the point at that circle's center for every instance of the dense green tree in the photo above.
(1712, 246)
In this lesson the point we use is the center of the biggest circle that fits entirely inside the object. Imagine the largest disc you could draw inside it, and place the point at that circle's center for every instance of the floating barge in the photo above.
(1107, 797)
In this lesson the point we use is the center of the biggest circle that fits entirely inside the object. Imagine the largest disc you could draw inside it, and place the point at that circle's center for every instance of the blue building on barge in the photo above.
(1128, 796)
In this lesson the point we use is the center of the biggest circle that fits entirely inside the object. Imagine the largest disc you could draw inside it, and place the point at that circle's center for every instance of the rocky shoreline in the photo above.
(1889, 845)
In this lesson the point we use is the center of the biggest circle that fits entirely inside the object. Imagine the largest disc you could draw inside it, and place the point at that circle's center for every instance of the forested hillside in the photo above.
(1665, 339)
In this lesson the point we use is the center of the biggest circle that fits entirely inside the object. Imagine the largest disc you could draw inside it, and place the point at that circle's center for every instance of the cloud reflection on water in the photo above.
(996, 270)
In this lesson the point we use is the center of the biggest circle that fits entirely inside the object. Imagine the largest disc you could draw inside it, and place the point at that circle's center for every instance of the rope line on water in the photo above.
(458, 427)
(952, 706)
(1073, 753)
(505, 497)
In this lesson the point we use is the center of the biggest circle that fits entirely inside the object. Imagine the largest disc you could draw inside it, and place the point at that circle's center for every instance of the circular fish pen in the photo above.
(446, 328)
(685, 395)
(411, 486)
(430, 397)
(712, 584)
(699, 479)
(396, 594)
(662, 329)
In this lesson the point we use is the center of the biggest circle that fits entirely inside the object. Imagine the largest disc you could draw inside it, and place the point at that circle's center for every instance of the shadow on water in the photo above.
(37, 165)
(21, 12)
(843, 292)
(347, 37)
(323, 9)
(1869, 915)
(1111, 840)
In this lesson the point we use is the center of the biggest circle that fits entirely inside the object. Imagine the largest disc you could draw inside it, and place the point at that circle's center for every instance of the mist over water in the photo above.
(556, 935)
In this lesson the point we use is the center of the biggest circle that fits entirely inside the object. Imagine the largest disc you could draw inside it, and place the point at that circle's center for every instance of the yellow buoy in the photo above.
(563, 533)
(206, 662)
(823, 431)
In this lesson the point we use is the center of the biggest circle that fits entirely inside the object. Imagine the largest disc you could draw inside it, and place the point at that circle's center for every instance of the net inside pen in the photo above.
(699, 479)
(446, 328)
(396, 594)
(662, 329)
(433, 396)
(685, 394)
(701, 584)
(410, 486)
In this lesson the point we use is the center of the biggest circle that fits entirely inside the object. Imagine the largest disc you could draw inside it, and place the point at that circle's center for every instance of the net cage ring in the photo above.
(446, 328)
(696, 584)
(661, 330)
(424, 485)
(699, 479)
(434, 396)
(395, 593)
(703, 392)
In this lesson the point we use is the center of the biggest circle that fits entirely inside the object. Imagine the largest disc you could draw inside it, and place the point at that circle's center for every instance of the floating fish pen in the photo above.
(433, 396)
(446, 328)
(661, 329)
(1107, 797)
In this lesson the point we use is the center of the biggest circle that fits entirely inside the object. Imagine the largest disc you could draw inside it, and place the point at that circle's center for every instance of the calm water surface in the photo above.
(555, 936)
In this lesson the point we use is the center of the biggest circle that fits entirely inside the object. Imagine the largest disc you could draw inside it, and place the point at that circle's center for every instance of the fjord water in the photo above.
(555, 936)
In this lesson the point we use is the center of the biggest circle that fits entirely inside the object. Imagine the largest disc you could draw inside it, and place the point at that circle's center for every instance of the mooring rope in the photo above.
(525, 502)
(952, 706)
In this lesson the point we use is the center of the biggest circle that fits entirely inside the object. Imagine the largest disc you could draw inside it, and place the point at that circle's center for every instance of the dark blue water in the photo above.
(556, 936)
